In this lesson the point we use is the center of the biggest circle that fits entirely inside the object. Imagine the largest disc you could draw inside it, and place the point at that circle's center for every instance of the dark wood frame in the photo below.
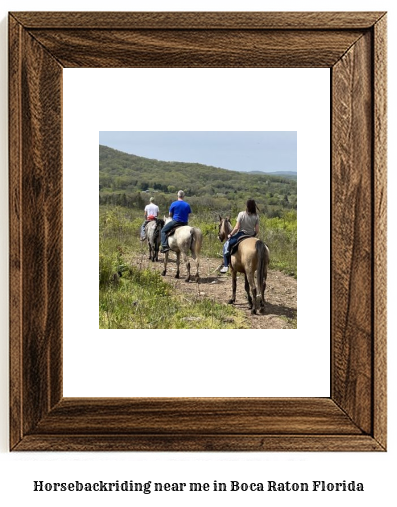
(353, 46)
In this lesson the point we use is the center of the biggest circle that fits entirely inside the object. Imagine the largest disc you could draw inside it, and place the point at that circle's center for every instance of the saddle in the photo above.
(172, 231)
(240, 239)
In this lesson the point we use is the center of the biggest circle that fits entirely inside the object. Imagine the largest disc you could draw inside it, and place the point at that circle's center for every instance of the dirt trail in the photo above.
(280, 296)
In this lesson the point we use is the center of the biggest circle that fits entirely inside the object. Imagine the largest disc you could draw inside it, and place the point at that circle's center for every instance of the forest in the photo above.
(127, 180)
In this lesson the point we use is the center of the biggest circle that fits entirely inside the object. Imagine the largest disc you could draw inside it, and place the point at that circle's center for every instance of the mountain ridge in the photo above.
(122, 173)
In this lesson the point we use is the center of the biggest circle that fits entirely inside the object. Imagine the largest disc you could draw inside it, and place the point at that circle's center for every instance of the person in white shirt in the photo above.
(151, 213)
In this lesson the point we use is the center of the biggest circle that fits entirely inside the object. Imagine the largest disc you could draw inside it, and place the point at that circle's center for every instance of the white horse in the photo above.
(185, 239)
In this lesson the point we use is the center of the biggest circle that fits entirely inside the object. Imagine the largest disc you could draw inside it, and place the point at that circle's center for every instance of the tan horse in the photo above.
(184, 240)
(252, 255)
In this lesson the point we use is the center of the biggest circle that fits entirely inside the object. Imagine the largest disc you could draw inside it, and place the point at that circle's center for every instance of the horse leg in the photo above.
(187, 263)
(150, 251)
(234, 286)
(251, 281)
(155, 252)
(165, 264)
(178, 258)
(158, 248)
(262, 302)
(195, 249)
(247, 290)
(197, 269)
(263, 288)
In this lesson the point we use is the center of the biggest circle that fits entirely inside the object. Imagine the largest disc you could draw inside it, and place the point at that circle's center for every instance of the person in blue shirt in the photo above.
(179, 212)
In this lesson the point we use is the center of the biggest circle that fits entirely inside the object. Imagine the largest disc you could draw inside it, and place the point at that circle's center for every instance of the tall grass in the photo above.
(119, 227)
(140, 299)
(280, 234)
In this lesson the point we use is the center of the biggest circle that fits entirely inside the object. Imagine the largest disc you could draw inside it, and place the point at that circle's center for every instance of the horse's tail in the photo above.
(196, 240)
(263, 261)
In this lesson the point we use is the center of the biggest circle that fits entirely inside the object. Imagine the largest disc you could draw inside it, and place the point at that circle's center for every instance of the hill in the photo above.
(285, 174)
(127, 180)
(293, 175)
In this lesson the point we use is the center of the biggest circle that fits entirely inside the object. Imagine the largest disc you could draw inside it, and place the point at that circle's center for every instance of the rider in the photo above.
(179, 212)
(151, 213)
(247, 224)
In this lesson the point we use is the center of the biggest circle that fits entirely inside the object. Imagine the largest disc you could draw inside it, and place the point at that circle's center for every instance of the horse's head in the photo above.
(224, 228)
(167, 219)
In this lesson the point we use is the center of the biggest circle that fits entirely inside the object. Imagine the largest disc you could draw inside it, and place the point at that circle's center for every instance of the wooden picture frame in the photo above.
(353, 46)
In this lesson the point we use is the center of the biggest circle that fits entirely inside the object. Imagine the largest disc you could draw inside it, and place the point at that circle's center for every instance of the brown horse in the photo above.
(252, 255)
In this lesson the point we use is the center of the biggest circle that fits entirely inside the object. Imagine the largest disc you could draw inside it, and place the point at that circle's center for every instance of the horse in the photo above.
(185, 239)
(153, 229)
(252, 255)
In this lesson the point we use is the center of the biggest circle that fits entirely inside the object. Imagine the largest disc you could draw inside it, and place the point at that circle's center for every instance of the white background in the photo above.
(195, 363)
(17, 471)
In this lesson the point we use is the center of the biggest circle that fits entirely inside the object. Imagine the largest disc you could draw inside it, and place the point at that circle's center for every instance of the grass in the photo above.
(140, 299)
(280, 234)
(120, 227)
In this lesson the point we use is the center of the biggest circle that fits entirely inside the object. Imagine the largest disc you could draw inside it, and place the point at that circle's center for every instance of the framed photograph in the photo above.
(221, 174)
(353, 47)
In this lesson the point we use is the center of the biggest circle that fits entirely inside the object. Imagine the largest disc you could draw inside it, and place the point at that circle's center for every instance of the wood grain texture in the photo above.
(353, 45)
(41, 90)
(199, 443)
(352, 232)
(36, 230)
(15, 228)
(202, 20)
(196, 48)
(380, 229)
(203, 416)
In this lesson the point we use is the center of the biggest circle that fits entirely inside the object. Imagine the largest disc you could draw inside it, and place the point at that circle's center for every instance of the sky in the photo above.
(236, 151)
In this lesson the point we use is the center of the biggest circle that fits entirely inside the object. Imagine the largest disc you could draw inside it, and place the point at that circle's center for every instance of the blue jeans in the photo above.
(228, 246)
(165, 229)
